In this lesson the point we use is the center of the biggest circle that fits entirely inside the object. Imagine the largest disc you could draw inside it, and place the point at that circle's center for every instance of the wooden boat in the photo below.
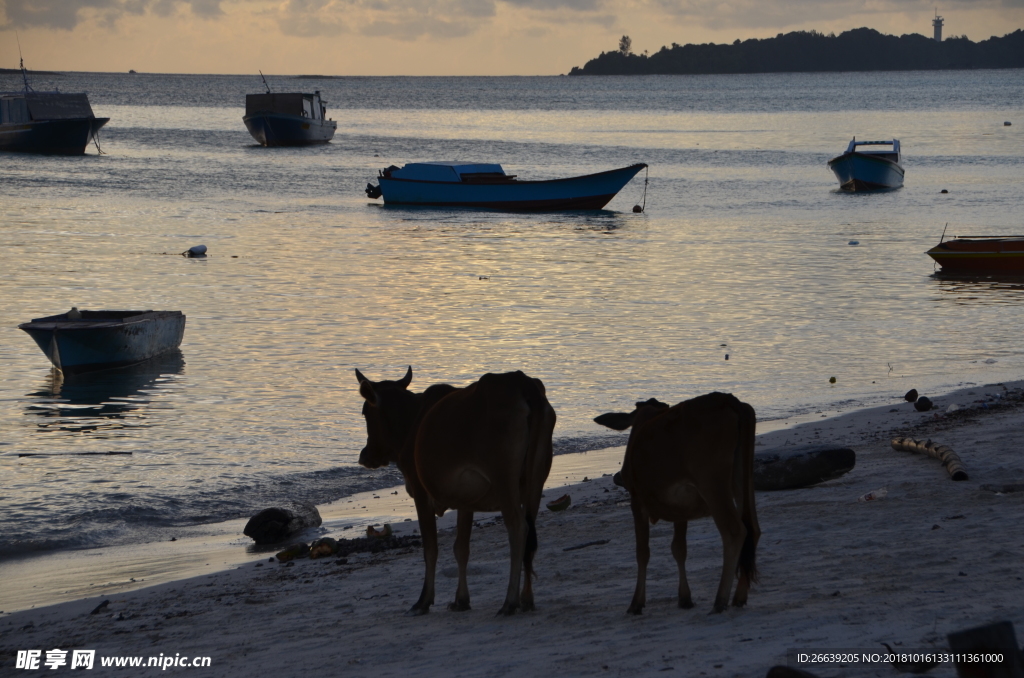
(485, 185)
(84, 341)
(869, 170)
(984, 254)
(288, 119)
(46, 122)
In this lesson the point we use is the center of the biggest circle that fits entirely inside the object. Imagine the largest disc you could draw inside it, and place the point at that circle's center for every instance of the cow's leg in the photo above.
(642, 528)
(526, 599)
(729, 525)
(679, 553)
(515, 523)
(428, 531)
(465, 526)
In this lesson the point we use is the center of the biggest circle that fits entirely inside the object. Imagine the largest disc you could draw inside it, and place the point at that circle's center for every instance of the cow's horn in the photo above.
(359, 376)
(406, 380)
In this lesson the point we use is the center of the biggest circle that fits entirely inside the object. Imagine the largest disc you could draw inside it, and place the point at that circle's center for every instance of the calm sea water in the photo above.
(745, 250)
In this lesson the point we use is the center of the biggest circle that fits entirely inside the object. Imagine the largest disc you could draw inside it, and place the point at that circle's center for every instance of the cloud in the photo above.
(67, 14)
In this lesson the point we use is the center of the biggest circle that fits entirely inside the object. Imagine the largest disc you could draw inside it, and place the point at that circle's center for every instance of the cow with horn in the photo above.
(484, 447)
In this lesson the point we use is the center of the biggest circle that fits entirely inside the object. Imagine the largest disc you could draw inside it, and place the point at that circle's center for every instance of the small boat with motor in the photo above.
(56, 123)
(869, 169)
(85, 341)
(288, 118)
(981, 254)
(486, 186)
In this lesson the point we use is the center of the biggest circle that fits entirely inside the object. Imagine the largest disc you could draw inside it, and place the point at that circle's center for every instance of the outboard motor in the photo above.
(373, 192)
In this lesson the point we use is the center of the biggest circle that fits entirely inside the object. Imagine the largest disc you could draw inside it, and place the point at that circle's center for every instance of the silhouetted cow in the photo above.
(485, 447)
(692, 460)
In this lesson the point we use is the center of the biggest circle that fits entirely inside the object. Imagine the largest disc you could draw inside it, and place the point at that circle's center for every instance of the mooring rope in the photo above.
(640, 207)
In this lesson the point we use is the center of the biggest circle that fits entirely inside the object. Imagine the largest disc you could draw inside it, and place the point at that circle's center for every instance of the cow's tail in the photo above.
(744, 469)
(537, 464)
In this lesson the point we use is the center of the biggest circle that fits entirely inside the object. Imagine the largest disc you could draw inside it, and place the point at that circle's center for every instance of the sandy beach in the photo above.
(931, 557)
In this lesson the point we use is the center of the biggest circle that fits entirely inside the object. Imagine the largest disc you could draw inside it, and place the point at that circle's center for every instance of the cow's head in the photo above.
(620, 421)
(389, 408)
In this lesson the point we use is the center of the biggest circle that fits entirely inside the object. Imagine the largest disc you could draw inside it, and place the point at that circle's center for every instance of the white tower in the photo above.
(937, 25)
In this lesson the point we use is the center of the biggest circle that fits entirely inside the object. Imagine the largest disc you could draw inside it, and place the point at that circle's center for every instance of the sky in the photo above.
(431, 37)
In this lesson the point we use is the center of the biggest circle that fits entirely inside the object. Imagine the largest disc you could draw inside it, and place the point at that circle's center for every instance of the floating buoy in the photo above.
(831, 380)
(943, 191)
(637, 208)
(1006, 124)
(854, 242)
(195, 251)
(726, 356)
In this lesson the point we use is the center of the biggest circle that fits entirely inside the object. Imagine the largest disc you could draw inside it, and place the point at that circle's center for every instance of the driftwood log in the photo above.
(945, 454)
(789, 468)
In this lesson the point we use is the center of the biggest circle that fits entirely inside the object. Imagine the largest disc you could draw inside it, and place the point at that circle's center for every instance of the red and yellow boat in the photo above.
(981, 254)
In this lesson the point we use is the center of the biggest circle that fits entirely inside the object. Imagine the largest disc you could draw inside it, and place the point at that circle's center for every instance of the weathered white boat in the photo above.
(866, 170)
(485, 185)
(288, 119)
(46, 122)
(84, 341)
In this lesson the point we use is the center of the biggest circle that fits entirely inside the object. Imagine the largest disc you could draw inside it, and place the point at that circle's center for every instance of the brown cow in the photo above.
(689, 461)
(485, 447)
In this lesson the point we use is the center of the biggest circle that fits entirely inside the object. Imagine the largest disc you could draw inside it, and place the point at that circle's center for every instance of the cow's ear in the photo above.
(366, 390)
(359, 376)
(406, 380)
(618, 421)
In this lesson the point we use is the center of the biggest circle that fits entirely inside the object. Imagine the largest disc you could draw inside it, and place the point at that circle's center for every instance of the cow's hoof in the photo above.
(528, 607)
(718, 608)
(686, 603)
(635, 609)
(417, 611)
(459, 606)
(507, 610)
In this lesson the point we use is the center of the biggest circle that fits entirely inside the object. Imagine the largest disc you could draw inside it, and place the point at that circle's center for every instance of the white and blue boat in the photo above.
(86, 341)
(869, 170)
(288, 119)
(486, 186)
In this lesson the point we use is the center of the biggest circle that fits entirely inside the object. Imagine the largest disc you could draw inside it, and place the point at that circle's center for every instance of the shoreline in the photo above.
(932, 557)
(50, 578)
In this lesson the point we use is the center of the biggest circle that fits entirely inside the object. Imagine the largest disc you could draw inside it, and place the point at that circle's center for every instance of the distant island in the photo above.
(17, 71)
(861, 49)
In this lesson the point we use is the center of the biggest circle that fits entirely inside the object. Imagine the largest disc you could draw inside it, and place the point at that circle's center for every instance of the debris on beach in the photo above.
(943, 453)
(385, 531)
(874, 495)
(100, 607)
(323, 547)
(911, 395)
(795, 467)
(998, 638)
(300, 550)
(276, 524)
(559, 504)
(577, 547)
(923, 404)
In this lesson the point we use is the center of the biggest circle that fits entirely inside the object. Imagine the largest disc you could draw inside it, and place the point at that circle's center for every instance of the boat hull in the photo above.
(278, 129)
(983, 256)
(87, 345)
(54, 137)
(861, 172)
(589, 192)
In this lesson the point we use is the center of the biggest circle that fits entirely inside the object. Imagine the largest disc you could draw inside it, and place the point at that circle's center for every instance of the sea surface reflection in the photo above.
(102, 403)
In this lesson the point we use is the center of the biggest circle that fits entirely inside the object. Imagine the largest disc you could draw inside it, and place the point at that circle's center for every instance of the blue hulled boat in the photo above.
(485, 185)
(85, 341)
(868, 170)
(288, 119)
(46, 122)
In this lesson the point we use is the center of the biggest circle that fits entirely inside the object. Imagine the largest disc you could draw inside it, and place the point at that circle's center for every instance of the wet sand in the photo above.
(932, 557)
